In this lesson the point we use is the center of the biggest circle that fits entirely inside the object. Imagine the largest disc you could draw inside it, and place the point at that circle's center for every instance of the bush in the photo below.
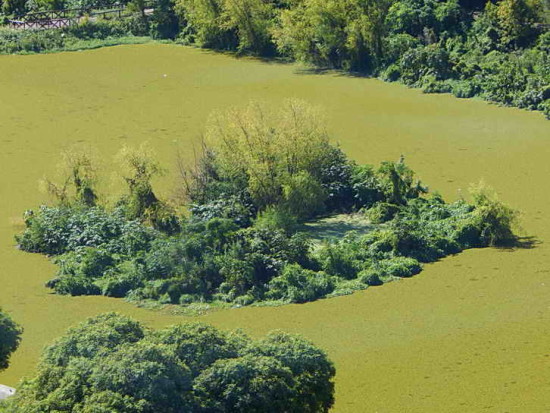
(56, 230)
(297, 285)
(339, 260)
(428, 61)
(464, 89)
(399, 267)
(277, 218)
(495, 220)
(304, 196)
(74, 285)
(434, 86)
(97, 29)
(382, 212)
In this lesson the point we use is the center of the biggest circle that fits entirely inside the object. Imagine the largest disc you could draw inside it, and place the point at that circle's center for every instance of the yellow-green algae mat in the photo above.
(470, 333)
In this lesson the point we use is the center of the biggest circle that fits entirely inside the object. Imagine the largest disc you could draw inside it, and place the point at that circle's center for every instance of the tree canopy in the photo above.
(111, 363)
(10, 336)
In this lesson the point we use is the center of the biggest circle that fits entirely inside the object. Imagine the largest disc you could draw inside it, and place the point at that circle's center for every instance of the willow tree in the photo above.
(342, 34)
(138, 168)
(269, 150)
(78, 181)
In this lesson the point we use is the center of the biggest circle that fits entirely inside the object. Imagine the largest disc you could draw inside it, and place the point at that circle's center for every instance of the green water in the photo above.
(469, 334)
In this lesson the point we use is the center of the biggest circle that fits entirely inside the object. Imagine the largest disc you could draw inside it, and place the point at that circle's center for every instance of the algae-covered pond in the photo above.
(470, 333)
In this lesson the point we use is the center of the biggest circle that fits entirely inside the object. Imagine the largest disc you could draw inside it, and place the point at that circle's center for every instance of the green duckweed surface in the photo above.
(469, 334)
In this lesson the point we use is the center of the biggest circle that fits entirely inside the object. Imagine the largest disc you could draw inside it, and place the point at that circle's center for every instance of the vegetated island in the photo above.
(111, 363)
(261, 175)
(497, 50)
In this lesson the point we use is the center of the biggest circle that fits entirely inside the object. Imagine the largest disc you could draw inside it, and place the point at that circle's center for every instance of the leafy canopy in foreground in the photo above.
(111, 363)
(10, 336)
(261, 175)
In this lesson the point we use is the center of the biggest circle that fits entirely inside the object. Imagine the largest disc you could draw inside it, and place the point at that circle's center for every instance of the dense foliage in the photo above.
(111, 363)
(10, 336)
(496, 50)
(261, 175)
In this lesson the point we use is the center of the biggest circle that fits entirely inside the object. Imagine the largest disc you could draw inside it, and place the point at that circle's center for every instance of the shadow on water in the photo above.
(310, 70)
(520, 243)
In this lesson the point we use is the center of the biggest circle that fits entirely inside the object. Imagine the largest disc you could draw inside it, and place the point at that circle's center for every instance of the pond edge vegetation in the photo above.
(498, 51)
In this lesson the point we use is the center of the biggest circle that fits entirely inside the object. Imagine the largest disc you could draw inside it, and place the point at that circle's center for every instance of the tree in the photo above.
(496, 220)
(311, 369)
(251, 20)
(198, 345)
(246, 384)
(164, 22)
(515, 20)
(96, 336)
(203, 23)
(110, 363)
(148, 373)
(10, 337)
(273, 156)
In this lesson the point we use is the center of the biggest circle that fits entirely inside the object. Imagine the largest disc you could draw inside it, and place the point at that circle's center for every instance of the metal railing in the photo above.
(57, 19)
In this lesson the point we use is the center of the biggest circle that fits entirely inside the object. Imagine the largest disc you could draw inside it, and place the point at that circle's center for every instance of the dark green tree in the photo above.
(10, 336)
(111, 363)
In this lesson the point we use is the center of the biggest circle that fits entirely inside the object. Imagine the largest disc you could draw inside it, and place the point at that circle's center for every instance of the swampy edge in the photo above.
(468, 334)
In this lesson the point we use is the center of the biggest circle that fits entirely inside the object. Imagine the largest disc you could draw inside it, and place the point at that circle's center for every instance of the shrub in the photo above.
(464, 89)
(230, 207)
(382, 212)
(304, 196)
(74, 285)
(297, 285)
(277, 218)
(339, 260)
(399, 267)
(434, 86)
(98, 29)
(432, 60)
(495, 220)
(204, 24)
